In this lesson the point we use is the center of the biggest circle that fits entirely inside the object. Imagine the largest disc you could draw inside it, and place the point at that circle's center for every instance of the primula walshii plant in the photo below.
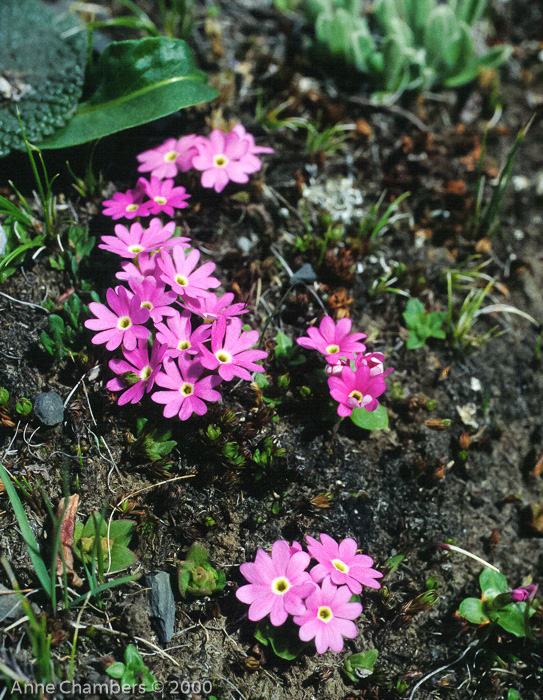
(280, 585)
(173, 330)
(356, 378)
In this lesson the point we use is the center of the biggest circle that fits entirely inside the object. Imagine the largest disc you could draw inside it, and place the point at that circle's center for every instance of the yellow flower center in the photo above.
(160, 200)
(146, 305)
(223, 356)
(171, 155)
(340, 566)
(135, 249)
(332, 349)
(132, 207)
(356, 395)
(181, 281)
(325, 613)
(220, 161)
(187, 389)
(183, 345)
(145, 373)
(124, 322)
(280, 585)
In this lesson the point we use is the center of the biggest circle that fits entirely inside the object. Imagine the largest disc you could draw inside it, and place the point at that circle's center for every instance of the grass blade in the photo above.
(28, 536)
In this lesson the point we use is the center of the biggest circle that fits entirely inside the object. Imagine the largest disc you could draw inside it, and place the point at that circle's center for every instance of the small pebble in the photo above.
(305, 275)
(161, 605)
(244, 244)
(49, 408)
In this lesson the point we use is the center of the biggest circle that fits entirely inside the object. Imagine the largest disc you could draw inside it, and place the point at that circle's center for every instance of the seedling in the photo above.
(153, 441)
(196, 576)
(65, 330)
(23, 407)
(422, 324)
(360, 666)
(496, 605)
(133, 671)
(105, 543)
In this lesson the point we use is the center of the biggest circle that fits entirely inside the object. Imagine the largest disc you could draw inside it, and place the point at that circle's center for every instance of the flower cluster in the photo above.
(280, 585)
(221, 158)
(173, 330)
(356, 378)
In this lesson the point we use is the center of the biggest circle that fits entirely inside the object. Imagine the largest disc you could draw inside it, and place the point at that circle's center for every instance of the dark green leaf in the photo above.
(371, 420)
(473, 610)
(360, 665)
(284, 640)
(121, 558)
(135, 82)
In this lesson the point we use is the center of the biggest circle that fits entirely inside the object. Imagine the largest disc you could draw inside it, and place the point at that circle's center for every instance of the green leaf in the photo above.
(360, 665)
(371, 420)
(116, 670)
(121, 558)
(133, 659)
(198, 555)
(283, 345)
(135, 82)
(284, 640)
(513, 618)
(121, 531)
(42, 59)
(414, 341)
(414, 311)
(27, 533)
(492, 583)
(473, 610)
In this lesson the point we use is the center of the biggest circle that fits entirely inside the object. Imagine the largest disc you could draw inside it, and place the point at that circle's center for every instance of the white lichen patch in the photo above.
(339, 197)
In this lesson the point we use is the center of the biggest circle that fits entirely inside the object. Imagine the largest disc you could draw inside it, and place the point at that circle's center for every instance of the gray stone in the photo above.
(244, 244)
(3, 240)
(305, 275)
(49, 408)
(10, 605)
(161, 604)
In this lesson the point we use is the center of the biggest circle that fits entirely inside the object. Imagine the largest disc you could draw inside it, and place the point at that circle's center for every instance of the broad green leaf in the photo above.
(121, 531)
(492, 583)
(473, 610)
(413, 312)
(133, 658)
(371, 420)
(512, 618)
(116, 670)
(135, 82)
(198, 555)
(121, 558)
(360, 665)
(414, 340)
(283, 640)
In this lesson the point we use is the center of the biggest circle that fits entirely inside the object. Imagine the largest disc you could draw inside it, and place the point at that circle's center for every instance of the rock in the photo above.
(3, 240)
(48, 408)
(244, 244)
(10, 605)
(305, 275)
(161, 604)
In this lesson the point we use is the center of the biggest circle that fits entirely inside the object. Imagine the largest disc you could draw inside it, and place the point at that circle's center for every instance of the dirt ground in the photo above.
(399, 491)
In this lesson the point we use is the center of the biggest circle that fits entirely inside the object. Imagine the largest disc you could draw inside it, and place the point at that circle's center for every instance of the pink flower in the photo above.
(183, 275)
(146, 267)
(153, 296)
(356, 389)
(185, 392)
(164, 197)
(140, 369)
(231, 355)
(341, 564)
(179, 336)
(250, 156)
(125, 205)
(123, 324)
(130, 243)
(519, 595)
(277, 584)
(165, 160)
(334, 340)
(328, 617)
(223, 157)
(374, 360)
(212, 306)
